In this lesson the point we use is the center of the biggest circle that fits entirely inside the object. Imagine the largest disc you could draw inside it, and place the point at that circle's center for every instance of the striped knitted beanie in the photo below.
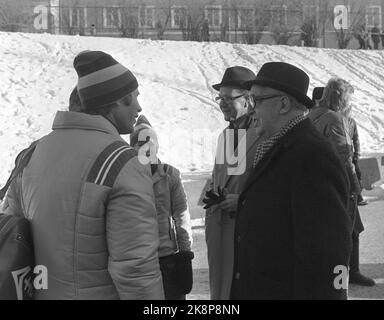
(142, 123)
(102, 80)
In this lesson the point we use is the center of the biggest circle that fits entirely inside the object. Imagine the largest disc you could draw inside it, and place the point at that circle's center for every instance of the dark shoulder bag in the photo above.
(17, 258)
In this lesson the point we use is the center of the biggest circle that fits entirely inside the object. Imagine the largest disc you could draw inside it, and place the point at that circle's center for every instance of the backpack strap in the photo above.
(21, 162)
(109, 163)
(105, 169)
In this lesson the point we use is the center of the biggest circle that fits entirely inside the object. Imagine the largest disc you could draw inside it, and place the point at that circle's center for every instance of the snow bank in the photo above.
(36, 78)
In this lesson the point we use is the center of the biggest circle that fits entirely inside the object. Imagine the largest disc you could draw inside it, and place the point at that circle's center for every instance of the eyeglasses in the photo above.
(219, 99)
(256, 98)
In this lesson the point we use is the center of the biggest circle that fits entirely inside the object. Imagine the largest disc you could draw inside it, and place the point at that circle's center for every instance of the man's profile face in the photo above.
(266, 115)
(232, 108)
(126, 112)
(348, 99)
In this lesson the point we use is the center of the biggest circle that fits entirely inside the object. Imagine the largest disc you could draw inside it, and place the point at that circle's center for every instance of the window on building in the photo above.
(74, 17)
(130, 16)
(278, 15)
(77, 17)
(178, 16)
(245, 18)
(214, 16)
(310, 13)
(147, 16)
(373, 16)
(112, 17)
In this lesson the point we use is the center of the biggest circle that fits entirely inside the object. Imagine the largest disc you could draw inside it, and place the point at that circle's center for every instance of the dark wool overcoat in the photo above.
(293, 228)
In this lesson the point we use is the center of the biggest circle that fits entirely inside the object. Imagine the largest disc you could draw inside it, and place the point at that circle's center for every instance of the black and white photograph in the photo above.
(193, 152)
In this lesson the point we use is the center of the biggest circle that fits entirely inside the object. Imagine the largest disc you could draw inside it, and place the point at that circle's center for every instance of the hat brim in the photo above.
(235, 84)
(304, 99)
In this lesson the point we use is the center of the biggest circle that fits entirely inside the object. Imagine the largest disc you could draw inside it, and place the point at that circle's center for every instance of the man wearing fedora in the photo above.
(236, 146)
(292, 229)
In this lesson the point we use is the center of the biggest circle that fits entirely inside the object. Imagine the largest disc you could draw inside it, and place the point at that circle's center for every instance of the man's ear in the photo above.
(286, 105)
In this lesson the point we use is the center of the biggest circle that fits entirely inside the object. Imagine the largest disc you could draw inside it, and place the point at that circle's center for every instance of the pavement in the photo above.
(372, 246)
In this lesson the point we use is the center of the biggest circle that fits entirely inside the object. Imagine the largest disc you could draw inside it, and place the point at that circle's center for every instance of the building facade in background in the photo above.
(292, 22)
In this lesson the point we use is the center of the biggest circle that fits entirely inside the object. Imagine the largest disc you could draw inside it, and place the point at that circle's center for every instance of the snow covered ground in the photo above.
(36, 78)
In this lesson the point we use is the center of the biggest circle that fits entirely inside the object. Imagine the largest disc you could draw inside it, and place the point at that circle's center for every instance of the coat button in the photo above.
(237, 276)
(238, 239)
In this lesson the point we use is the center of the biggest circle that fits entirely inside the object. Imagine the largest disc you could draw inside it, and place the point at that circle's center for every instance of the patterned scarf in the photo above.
(267, 145)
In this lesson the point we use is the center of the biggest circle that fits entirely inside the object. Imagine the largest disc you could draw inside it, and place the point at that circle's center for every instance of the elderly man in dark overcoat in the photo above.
(292, 233)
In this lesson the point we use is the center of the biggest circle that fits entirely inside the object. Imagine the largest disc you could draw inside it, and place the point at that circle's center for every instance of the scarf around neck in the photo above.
(267, 145)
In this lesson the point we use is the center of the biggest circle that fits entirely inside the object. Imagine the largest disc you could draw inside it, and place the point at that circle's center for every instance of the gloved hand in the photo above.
(212, 197)
(183, 271)
(355, 159)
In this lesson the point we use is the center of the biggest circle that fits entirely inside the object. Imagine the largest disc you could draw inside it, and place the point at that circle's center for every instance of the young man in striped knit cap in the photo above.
(175, 231)
(89, 199)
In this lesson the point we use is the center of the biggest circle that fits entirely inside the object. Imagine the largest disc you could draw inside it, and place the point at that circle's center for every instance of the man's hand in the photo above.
(230, 202)
(212, 198)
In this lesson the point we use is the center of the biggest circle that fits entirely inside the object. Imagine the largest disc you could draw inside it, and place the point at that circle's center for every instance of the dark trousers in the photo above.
(354, 260)
(358, 174)
(171, 289)
(357, 169)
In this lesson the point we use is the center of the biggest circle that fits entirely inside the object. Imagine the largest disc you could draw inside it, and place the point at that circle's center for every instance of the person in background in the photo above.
(356, 150)
(359, 35)
(375, 35)
(205, 31)
(382, 39)
(367, 38)
(93, 30)
(329, 119)
(175, 232)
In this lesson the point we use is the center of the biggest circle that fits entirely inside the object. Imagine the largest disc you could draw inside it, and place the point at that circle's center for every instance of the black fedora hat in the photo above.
(237, 77)
(287, 78)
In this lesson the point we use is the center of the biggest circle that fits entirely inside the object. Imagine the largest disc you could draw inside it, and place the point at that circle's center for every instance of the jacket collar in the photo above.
(318, 113)
(241, 123)
(77, 120)
(160, 171)
(284, 143)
